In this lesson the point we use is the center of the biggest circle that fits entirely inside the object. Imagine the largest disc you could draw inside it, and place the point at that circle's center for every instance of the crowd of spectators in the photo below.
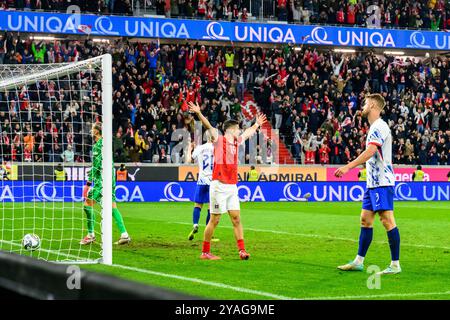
(313, 97)
(318, 97)
(409, 14)
(152, 85)
(412, 14)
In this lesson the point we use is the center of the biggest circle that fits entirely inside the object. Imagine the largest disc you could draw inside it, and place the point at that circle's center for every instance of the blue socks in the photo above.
(207, 218)
(394, 243)
(196, 215)
(365, 238)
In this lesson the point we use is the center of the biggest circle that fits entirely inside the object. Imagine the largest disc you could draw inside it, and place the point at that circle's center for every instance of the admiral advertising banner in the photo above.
(29, 191)
(266, 173)
(184, 173)
(146, 27)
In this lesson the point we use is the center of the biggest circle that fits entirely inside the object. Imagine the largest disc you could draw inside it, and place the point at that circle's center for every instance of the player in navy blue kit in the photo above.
(379, 194)
(203, 154)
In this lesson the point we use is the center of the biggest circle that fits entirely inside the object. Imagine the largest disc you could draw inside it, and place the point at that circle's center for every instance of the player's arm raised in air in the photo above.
(260, 120)
(363, 157)
(195, 108)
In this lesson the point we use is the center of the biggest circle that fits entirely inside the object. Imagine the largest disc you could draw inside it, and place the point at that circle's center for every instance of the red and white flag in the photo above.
(249, 109)
(84, 28)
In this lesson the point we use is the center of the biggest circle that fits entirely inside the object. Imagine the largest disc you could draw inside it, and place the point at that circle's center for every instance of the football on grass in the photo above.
(31, 242)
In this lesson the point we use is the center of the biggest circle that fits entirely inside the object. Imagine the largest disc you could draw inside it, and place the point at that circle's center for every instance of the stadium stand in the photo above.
(313, 97)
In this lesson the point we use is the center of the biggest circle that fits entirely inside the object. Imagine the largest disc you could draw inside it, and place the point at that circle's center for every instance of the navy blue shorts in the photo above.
(379, 199)
(201, 193)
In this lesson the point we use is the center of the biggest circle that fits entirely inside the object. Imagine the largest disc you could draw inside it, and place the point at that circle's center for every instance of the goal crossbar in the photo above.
(50, 74)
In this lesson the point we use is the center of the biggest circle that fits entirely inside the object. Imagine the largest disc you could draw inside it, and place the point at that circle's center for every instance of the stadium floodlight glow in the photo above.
(394, 53)
(100, 40)
(45, 38)
(54, 204)
(344, 50)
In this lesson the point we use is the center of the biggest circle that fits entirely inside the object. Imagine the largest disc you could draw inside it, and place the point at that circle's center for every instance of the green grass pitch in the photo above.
(294, 247)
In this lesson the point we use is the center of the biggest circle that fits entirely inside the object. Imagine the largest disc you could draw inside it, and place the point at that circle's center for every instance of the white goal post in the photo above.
(46, 112)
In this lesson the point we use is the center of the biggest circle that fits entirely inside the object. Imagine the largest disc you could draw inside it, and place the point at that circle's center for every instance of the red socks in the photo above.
(240, 244)
(206, 247)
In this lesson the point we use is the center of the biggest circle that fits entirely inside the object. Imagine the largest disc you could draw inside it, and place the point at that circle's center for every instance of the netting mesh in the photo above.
(46, 117)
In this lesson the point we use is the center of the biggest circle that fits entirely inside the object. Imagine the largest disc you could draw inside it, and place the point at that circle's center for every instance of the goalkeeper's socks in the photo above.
(240, 244)
(196, 215)
(124, 235)
(207, 218)
(119, 220)
(394, 243)
(90, 219)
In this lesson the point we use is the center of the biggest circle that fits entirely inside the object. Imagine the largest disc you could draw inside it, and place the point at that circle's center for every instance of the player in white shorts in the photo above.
(223, 195)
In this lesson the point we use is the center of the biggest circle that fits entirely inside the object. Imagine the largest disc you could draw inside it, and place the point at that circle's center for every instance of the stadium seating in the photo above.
(320, 99)
(312, 96)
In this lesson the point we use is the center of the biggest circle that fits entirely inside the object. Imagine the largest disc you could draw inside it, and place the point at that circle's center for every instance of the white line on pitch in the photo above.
(245, 290)
(173, 276)
(205, 282)
(275, 296)
(308, 235)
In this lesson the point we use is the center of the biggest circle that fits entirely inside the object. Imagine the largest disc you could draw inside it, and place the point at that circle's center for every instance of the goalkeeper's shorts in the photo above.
(96, 194)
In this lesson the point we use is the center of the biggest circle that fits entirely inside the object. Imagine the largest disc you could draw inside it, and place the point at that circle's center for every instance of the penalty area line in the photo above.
(205, 282)
(245, 290)
(276, 296)
(172, 276)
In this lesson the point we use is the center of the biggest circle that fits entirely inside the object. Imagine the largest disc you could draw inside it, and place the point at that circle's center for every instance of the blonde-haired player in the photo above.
(379, 194)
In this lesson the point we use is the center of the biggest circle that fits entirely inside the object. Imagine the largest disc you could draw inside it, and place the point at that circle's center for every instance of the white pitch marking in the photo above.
(245, 290)
(205, 282)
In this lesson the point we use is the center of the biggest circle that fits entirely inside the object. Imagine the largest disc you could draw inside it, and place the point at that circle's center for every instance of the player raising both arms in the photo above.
(93, 192)
(379, 194)
(223, 192)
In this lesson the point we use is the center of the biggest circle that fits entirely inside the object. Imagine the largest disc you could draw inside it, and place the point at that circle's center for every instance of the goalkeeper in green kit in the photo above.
(93, 191)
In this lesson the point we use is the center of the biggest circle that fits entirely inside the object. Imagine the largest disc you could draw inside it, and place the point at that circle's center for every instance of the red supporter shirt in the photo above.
(351, 15)
(226, 160)
(190, 96)
(202, 56)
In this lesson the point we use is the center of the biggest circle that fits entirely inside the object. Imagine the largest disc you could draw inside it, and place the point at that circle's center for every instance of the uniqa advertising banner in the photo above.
(29, 191)
(149, 27)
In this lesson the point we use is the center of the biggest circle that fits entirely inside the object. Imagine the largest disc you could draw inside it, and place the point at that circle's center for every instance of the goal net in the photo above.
(47, 112)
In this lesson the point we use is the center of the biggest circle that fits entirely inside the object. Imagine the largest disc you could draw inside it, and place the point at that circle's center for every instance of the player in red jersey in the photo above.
(223, 192)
